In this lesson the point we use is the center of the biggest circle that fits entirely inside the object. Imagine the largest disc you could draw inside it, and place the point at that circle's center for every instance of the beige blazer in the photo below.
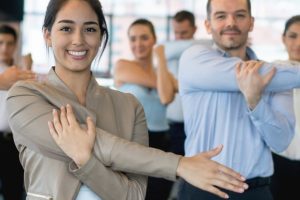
(120, 162)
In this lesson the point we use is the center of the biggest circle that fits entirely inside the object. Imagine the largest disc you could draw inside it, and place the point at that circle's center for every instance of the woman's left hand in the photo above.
(75, 141)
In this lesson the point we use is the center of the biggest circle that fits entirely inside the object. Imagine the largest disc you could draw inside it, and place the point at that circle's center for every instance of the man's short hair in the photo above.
(185, 15)
(6, 29)
(208, 8)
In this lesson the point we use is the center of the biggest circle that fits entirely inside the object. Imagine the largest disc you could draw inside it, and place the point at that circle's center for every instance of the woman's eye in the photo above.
(90, 30)
(66, 29)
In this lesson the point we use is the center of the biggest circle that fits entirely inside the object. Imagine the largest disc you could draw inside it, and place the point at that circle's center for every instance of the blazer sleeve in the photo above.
(102, 179)
(29, 113)
(126, 185)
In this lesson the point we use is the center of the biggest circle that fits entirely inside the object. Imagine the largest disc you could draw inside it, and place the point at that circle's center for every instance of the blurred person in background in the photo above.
(148, 79)
(184, 26)
(11, 172)
(284, 183)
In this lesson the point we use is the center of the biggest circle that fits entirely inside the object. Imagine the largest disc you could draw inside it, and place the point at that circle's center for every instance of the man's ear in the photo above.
(252, 24)
(195, 29)
(47, 37)
(207, 26)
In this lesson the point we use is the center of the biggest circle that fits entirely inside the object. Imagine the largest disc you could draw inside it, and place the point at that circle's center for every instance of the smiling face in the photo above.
(229, 23)
(291, 40)
(141, 41)
(74, 37)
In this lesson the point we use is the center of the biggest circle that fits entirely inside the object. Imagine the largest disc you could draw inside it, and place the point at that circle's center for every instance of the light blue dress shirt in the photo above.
(155, 111)
(215, 111)
(173, 51)
(174, 109)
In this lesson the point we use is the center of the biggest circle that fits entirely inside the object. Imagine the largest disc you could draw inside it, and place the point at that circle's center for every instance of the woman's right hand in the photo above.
(75, 141)
(208, 175)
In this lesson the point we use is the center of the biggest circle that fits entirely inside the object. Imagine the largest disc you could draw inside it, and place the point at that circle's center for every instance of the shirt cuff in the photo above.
(261, 112)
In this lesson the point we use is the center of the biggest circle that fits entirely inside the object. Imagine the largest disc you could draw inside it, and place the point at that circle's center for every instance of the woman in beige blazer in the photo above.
(98, 137)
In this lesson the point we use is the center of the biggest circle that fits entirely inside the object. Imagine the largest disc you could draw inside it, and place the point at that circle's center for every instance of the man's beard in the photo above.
(232, 44)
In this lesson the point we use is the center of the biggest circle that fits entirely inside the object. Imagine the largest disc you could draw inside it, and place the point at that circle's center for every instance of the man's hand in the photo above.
(14, 74)
(208, 175)
(251, 83)
(74, 140)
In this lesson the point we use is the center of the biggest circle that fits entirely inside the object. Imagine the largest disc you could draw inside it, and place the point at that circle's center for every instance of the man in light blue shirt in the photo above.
(184, 28)
(249, 114)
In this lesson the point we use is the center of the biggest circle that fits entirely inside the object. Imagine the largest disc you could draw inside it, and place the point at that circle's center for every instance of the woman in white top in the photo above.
(287, 165)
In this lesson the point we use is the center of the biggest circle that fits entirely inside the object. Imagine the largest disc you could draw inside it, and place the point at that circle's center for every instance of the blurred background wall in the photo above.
(27, 15)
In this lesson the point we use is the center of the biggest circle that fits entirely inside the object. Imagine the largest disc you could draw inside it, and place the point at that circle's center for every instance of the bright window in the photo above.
(266, 37)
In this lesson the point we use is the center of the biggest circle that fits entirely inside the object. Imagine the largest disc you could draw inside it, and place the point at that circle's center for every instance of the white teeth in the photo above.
(77, 53)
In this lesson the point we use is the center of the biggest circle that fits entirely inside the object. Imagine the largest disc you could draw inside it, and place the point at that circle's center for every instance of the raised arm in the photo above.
(271, 114)
(130, 72)
(29, 110)
(33, 133)
(167, 85)
(12, 74)
(78, 142)
(175, 48)
(204, 68)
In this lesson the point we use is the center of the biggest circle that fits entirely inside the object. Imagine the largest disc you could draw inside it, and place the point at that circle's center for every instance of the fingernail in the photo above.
(245, 186)
(53, 111)
(241, 190)
(243, 178)
(226, 196)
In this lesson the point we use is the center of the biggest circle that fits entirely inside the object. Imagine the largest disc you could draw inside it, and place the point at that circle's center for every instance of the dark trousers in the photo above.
(158, 188)
(11, 171)
(259, 189)
(177, 136)
(285, 180)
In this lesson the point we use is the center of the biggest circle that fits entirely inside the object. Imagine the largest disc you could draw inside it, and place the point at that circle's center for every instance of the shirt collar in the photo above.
(250, 53)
